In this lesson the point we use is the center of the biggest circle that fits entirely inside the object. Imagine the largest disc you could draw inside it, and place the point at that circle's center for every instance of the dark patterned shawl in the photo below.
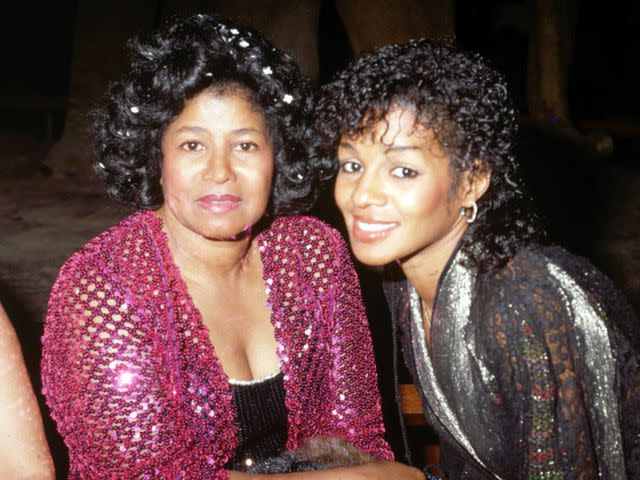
(533, 371)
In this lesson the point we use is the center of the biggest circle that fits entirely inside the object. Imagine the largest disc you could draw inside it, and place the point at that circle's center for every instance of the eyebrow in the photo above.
(401, 148)
(238, 131)
(188, 128)
(248, 130)
(389, 149)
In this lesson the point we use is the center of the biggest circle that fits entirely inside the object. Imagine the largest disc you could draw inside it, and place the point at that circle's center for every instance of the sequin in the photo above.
(152, 401)
(593, 338)
(525, 365)
(428, 380)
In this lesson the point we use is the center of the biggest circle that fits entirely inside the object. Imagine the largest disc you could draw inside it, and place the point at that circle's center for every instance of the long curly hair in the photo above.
(467, 106)
(176, 63)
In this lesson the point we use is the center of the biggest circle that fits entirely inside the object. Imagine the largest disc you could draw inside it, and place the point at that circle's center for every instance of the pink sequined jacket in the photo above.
(133, 382)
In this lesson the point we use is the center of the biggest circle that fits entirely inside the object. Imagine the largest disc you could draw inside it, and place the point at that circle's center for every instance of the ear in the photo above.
(475, 182)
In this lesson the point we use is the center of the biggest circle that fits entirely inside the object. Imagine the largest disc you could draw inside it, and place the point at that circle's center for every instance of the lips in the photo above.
(219, 203)
(371, 230)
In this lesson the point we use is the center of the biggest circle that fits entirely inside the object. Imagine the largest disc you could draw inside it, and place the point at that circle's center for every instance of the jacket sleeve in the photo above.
(356, 414)
(106, 384)
(530, 334)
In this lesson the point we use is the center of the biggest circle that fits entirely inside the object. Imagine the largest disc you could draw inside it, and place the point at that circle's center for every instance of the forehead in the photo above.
(399, 125)
(211, 106)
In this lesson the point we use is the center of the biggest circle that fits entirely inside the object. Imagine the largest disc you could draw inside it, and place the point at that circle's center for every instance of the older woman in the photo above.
(526, 356)
(209, 330)
(24, 454)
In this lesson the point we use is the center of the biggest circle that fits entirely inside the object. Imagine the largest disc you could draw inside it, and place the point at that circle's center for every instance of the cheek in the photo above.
(173, 179)
(260, 179)
(432, 199)
(341, 193)
(423, 201)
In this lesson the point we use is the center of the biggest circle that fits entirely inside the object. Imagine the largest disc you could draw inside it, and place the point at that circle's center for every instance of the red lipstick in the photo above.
(219, 203)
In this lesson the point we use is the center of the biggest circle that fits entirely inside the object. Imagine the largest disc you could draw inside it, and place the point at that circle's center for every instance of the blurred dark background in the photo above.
(571, 67)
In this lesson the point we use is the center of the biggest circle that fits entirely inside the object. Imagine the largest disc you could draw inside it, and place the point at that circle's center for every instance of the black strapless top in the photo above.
(262, 420)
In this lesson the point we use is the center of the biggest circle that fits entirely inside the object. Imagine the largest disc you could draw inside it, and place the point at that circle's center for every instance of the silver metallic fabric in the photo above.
(532, 371)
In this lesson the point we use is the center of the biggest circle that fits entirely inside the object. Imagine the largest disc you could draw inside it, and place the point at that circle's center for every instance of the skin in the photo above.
(219, 144)
(395, 192)
(24, 454)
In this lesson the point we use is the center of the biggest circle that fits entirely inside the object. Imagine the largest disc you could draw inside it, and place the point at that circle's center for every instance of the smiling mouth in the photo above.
(369, 230)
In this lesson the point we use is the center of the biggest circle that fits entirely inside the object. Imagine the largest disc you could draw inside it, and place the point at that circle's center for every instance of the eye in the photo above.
(245, 147)
(350, 167)
(192, 146)
(404, 172)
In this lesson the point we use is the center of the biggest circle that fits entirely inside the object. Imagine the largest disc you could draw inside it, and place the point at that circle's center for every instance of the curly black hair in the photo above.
(176, 63)
(467, 106)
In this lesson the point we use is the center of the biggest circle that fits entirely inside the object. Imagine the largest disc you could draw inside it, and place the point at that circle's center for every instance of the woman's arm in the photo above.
(537, 394)
(355, 414)
(540, 357)
(24, 453)
(107, 382)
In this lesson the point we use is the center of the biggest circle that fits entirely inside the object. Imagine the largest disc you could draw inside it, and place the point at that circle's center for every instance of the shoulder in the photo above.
(520, 301)
(543, 288)
(528, 274)
(304, 231)
(518, 270)
(550, 271)
(309, 246)
(109, 251)
(108, 273)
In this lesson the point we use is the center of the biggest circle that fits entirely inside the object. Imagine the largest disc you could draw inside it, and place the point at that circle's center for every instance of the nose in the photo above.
(368, 190)
(219, 168)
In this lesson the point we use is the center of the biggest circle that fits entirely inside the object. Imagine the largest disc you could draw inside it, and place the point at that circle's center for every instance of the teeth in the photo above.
(375, 227)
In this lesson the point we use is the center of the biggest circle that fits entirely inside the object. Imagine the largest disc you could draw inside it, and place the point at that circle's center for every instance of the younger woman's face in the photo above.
(394, 190)
(217, 165)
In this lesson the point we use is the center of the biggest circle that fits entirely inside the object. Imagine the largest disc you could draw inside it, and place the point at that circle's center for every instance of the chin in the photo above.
(373, 259)
(230, 236)
(226, 231)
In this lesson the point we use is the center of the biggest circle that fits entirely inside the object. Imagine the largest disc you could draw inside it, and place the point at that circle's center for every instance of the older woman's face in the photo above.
(393, 189)
(217, 165)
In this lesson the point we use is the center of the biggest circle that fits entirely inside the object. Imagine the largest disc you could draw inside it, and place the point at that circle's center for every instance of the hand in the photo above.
(389, 471)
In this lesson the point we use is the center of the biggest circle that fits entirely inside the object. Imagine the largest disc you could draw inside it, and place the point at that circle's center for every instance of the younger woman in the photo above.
(526, 356)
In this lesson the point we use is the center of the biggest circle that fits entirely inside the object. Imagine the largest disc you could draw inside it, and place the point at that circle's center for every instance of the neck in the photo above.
(423, 269)
(201, 257)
